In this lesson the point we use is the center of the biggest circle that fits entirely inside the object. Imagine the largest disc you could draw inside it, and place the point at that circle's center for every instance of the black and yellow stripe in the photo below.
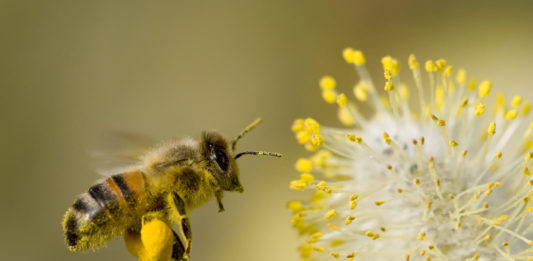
(104, 211)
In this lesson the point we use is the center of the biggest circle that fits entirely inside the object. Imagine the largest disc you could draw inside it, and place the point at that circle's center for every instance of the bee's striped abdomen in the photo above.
(104, 211)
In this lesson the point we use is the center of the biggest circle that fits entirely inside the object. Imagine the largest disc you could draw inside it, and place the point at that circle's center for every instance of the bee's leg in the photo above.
(179, 251)
(219, 194)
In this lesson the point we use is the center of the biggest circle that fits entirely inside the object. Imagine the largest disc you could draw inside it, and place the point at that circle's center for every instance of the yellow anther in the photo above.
(492, 128)
(505, 244)
(407, 257)
(317, 235)
(319, 249)
(486, 205)
(303, 165)
(458, 225)
(430, 66)
(327, 83)
(498, 155)
(529, 209)
(317, 141)
(421, 236)
(463, 153)
(416, 181)
(298, 185)
(453, 143)
(472, 84)
(349, 220)
(303, 137)
(386, 138)
(526, 108)
(477, 197)
(516, 101)
(422, 140)
(480, 109)
(528, 156)
(333, 227)
(331, 214)
(448, 70)
(441, 123)
(389, 86)
(312, 125)
(487, 237)
(294, 205)
(323, 187)
(306, 250)
(351, 137)
(298, 125)
(307, 178)
(476, 256)
(354, 197)
(379, 202)
(526, 171)
(369, 234)
(423, 252)
(390, 64)
(342, 100)
(484, 88)
(361, 92)
(329, 96)
(353, 204)
(461, 76)
(353, 56)
(404, 91)
(440, 64)
(413, 63)
(335, 254)
(451, 197)
(383, 229)
(511, 114)
(429, 204)
(388, 75)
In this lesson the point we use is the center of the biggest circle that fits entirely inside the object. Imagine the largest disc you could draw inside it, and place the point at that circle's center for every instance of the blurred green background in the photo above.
(72, 70)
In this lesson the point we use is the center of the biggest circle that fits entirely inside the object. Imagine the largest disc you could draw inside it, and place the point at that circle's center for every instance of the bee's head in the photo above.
(221, 161)
(222, 158)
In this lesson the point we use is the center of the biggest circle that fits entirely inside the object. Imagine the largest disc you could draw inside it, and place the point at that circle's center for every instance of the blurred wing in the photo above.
(119, 151)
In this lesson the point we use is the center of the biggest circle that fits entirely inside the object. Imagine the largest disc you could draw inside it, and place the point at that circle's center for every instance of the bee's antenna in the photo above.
(262, 153)
(244, 132)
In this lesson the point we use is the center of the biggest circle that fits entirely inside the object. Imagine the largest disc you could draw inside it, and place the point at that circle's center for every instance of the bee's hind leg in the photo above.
(154, 241)
(180, 250)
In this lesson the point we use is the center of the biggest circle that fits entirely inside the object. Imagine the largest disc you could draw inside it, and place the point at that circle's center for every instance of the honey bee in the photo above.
(170, 181)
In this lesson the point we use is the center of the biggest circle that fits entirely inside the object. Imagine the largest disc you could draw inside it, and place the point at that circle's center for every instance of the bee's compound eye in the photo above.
(221, 158)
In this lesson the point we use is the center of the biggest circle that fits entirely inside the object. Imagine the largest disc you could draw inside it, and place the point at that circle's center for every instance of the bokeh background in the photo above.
(72, 70)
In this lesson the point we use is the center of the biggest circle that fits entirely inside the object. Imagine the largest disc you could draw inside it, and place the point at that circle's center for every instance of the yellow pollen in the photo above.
(413, 64)
(349, 220)
(319, 249)
(430, 66)
(458, 225)
(421, 236)
(351, 137)
(492, 128)
(354, 197)
(379, 202)
(526, 171)
(298, 125)
(353, 204)
(361, 92)
(317, 140)
(333, 227)
(312, 126)
(484, 88)
(453, 143)
(516, 101)
(505, 244)
(329, 96)
(331, 214)
(463, 153)
(512, 114)
(303, 137)
(297, 185)
(342, 100)
(387, 138)
(307, 178)
(390, 64)
(389, 86)
(327, 83)
(480, 108)
(487, 237)
(423, 252)
(369, 234)
(335, 254)
(526, 108)
(294, 205)
(440, 64)
(428, 205)
(353, 56)
(461, 76)
(416, 181)
(303, 165)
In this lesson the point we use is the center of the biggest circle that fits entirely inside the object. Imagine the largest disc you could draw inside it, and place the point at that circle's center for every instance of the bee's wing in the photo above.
(118, 151)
